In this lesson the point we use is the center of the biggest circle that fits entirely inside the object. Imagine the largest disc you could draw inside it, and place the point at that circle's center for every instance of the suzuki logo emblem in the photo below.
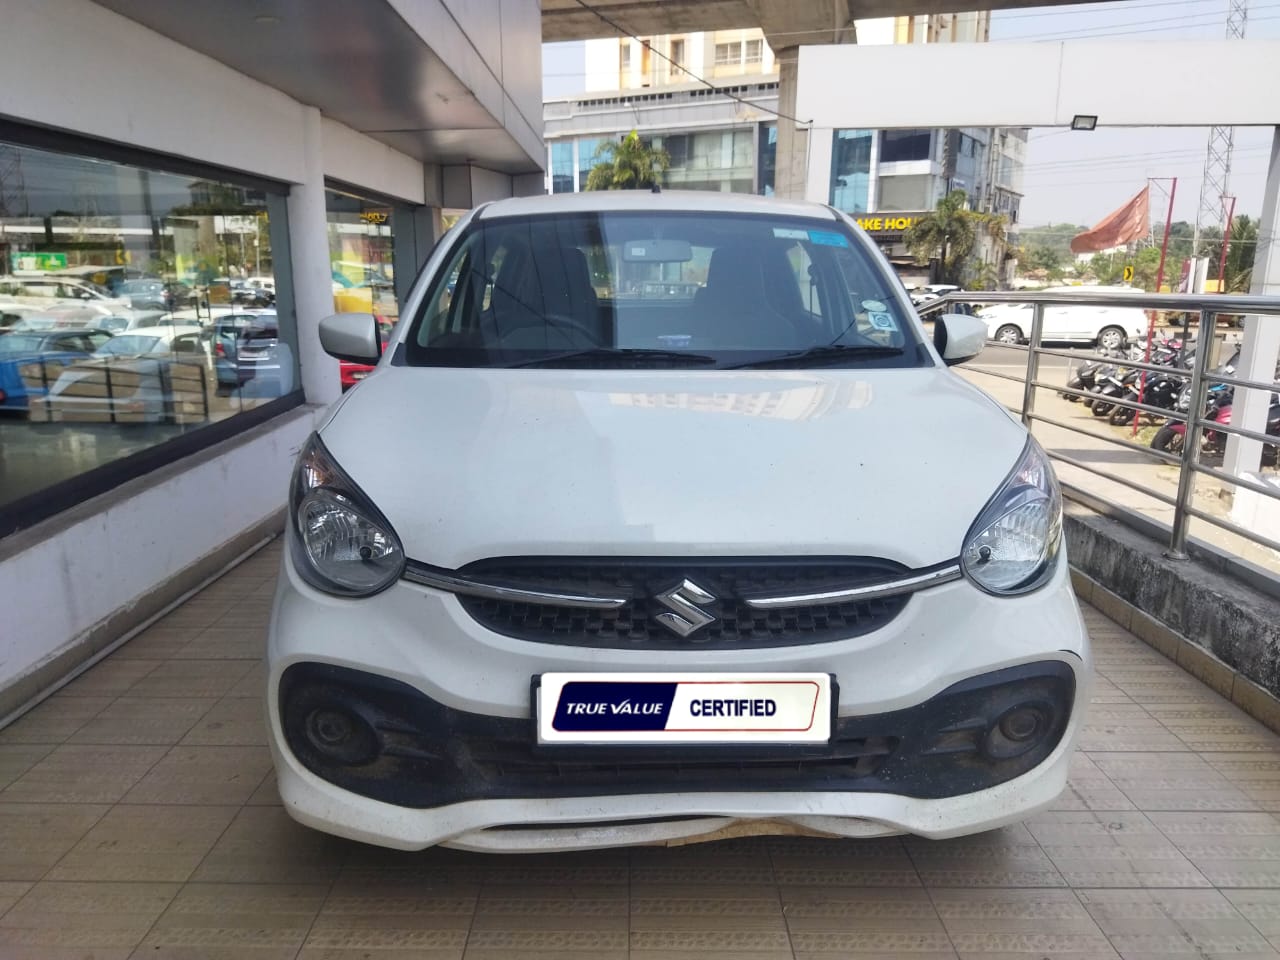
(685, 605)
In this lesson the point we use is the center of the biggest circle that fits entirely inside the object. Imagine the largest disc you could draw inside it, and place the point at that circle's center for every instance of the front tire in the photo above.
(1123, 416)
(1009, 334)
(1168, 439)
(1111, 338)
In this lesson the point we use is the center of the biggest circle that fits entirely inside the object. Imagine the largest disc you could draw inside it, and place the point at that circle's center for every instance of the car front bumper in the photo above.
(467, 773)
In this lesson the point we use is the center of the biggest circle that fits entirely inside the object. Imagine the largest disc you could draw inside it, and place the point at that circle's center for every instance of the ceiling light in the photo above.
(1084, 121)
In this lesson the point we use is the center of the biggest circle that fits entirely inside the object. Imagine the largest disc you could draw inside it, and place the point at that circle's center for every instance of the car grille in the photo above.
(732, 582)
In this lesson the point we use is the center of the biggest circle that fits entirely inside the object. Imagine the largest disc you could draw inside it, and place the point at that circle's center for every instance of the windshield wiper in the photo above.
(618, 356)
(828, 353)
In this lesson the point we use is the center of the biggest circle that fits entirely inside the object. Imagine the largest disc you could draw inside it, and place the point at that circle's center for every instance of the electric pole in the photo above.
(1217, 162)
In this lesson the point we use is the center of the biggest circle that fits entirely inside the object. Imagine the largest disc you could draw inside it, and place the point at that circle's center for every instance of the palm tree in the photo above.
(1240, 252)
(629, 165)
(949, 233)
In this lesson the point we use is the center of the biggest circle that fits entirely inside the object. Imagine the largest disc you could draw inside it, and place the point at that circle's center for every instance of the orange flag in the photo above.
(1131, 222)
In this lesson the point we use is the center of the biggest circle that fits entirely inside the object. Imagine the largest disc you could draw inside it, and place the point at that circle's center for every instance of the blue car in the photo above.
(51, 350)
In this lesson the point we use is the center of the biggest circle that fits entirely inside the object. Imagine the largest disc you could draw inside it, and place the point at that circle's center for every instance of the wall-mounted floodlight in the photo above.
(1084, 121)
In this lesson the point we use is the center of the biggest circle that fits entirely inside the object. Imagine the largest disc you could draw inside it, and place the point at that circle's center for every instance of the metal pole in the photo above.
(1190, 447)
(1151, 321)
(1033, 365)
(1226, 243)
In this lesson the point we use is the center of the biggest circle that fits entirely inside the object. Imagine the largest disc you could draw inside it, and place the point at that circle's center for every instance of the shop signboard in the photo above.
(37, 261)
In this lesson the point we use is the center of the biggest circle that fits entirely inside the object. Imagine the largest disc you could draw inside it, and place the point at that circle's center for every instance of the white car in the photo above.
(638, 534)
(1109, 327)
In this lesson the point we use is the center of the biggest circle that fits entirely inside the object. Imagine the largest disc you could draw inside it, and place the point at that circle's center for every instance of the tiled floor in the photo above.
(138, 818)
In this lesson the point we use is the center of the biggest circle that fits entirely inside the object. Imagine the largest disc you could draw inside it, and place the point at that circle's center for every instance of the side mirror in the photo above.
(352, 337)
(958, 337)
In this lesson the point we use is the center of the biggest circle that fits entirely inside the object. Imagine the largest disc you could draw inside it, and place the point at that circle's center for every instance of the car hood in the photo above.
(473, 464)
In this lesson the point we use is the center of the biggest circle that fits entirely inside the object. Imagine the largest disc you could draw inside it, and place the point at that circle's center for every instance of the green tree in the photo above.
(949, 232)
(630, 164)
(1240, 252)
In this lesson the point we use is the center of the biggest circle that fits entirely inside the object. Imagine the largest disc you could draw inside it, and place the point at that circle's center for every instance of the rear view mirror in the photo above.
(958, 337)
(352, 337)
(657, 251)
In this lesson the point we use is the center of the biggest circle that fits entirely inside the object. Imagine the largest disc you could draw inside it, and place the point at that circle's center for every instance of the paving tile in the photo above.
(192, 678)
(110, 678)
(82, 919)
(263, 845)
(11, 892)
(268, 792)
(807, 863)
(142, 843)
(1230, 849)
(232, 722)
(54, 720)
(143, 720)
(1171, 781)
(155, 643)
(204, 775)
(76, 773)
(17, 758)
(228, 921)
(225, 643)
(252, 684)
(872, 910)
(1114, 849)
(1009, 857)
(1155, 924)
(755, 944)
(34, 836)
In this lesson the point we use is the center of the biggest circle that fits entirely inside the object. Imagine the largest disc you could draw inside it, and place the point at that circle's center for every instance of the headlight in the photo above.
(341, 544)
(1011, 547)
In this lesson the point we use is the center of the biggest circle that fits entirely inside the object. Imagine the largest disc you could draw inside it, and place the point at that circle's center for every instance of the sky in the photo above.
(1078, 177)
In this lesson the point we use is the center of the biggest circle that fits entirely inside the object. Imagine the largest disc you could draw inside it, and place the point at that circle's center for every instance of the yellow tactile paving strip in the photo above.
(138, 818)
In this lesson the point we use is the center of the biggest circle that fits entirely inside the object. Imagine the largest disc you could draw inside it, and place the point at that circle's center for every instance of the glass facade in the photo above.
(137, 305)
(903, 145)
(768, 153)
(851, 170)
(562, 166)
(722, 160)
(587, 148)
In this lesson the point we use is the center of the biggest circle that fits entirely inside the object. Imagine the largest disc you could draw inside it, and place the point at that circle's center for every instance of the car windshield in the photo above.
(129, 345)
(662, 290)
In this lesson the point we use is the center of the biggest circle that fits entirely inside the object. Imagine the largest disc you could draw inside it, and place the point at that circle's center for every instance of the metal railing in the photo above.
(1207, 308)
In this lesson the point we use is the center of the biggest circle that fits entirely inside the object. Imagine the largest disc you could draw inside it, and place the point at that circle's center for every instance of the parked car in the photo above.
(225, 334)
(29, 362)
(81, 302)
(162, 375)
(575, 569)
(1109, 327)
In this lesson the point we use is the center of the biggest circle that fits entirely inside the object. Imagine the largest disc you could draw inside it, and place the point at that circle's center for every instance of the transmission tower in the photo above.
(1217, 162)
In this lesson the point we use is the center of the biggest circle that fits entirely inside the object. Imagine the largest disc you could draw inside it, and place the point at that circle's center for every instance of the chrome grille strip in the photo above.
(493, 591)
(873, 591)
(441, 580)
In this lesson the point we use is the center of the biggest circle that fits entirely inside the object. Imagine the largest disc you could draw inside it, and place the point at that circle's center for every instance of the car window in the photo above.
(18, 343)
(131, 345)
(729, 287)
(32, 288)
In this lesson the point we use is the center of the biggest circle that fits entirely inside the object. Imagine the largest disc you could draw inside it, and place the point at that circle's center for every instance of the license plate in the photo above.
(664, 708)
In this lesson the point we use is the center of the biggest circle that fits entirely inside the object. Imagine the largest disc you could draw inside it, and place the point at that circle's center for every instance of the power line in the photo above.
(705, 82)
(1124, 33)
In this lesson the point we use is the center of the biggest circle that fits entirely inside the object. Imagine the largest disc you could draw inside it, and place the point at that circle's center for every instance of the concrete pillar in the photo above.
(1261, 334)
(790, 166)
(312, 274)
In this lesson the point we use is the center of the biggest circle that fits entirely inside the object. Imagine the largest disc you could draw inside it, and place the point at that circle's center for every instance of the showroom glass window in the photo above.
(137, 305)
(768, 157)
(588, 147)
(362, 254)
(898, 146)
(851, 170)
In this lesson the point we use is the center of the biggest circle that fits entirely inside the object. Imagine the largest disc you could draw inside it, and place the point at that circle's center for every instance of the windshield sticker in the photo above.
(874, 306)
(882, 321)
(786, 233)
(828, 239)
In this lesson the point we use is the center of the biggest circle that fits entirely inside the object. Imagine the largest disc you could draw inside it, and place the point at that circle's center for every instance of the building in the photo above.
(726, 138)
(162, 166)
